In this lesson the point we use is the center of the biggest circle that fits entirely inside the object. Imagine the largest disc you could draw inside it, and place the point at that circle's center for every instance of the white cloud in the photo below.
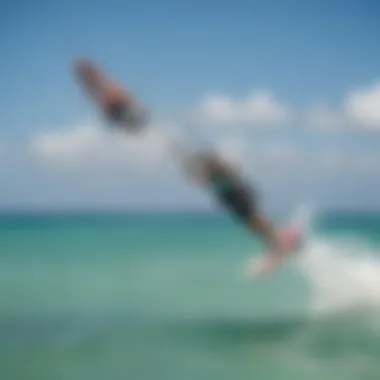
(272, 158)
(71, 145)
(87, 144)
(324, 119)
(282, 167)
(361, 109)
(279, 158)
(257, 108)
(363, 106)
(265, 156)
(233, 149)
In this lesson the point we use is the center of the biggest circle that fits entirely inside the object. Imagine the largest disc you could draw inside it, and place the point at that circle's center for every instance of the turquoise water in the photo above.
(116, 296)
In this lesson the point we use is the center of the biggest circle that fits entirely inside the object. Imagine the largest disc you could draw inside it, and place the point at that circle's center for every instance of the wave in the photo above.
(342, 272)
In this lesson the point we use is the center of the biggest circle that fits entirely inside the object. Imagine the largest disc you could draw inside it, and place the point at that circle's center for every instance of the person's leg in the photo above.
(264, 228)
(243, 202)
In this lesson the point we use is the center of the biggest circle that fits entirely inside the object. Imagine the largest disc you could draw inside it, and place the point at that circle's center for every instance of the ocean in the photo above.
(164, 296)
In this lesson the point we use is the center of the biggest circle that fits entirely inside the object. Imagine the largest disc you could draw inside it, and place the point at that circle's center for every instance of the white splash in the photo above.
(343, 274)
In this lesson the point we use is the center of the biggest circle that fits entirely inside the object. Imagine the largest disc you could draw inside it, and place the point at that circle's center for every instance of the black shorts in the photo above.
(124, 115)
(240, 200)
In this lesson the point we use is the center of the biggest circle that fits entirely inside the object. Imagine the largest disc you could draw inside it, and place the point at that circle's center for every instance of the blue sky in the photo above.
(175, 55)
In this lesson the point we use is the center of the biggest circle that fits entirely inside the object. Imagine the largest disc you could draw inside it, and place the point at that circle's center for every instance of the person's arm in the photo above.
(265, 228)
(195, 171)
(183, 156)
